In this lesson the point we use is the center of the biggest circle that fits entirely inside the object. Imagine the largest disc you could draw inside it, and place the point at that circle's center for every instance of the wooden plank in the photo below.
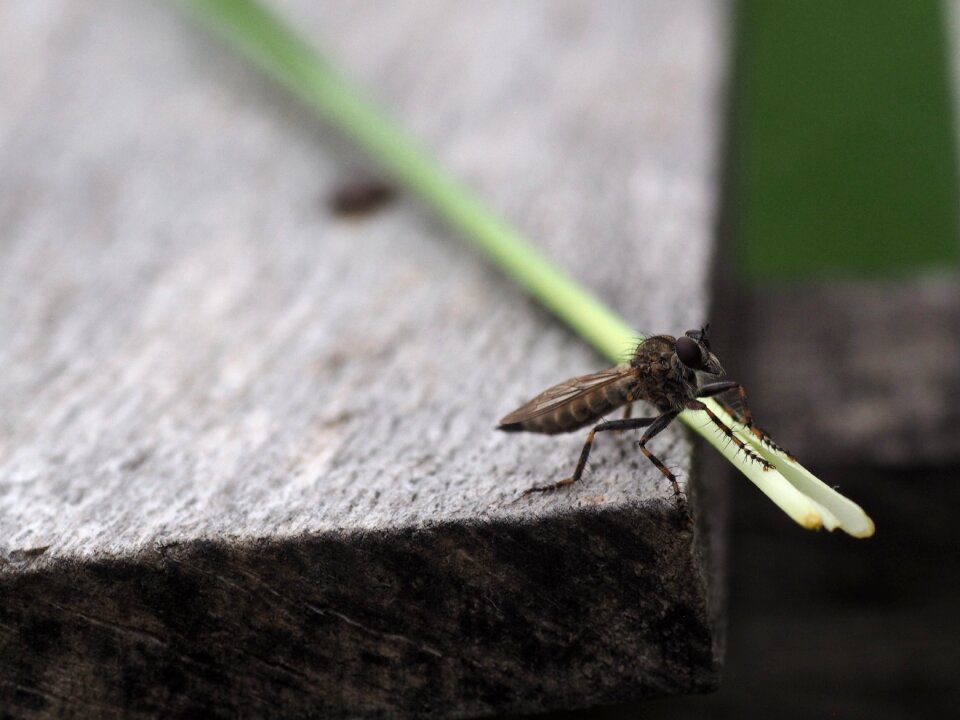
(246, 453)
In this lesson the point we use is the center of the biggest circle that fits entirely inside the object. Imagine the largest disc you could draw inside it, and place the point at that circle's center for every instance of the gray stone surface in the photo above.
(246, 448)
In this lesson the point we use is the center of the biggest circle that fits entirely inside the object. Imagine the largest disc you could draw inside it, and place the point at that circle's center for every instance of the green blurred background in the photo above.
(844, 139)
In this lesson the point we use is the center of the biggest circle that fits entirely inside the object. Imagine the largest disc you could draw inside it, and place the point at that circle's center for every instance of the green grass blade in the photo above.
(266, 42)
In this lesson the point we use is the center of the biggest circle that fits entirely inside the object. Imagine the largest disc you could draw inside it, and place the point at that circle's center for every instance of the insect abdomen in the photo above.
(584, 410)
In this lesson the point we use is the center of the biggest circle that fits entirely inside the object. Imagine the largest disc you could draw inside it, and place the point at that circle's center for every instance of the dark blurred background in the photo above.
(841, 302)
(839, 309)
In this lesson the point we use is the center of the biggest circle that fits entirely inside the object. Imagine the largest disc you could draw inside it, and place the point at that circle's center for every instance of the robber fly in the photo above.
(662, 372)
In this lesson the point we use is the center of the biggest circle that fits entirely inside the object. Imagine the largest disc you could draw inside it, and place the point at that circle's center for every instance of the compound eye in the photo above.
(689, 353)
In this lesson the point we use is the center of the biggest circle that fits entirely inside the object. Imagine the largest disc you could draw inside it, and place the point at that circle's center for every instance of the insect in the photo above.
(662, 372)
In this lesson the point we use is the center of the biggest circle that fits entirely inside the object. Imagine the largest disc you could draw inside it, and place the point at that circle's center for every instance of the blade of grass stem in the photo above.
(266, 42)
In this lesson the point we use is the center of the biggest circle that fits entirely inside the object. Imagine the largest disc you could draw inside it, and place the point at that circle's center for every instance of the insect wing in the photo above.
(566, 392)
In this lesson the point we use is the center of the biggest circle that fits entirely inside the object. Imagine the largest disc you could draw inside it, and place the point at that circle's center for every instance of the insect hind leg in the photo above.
(612, 425)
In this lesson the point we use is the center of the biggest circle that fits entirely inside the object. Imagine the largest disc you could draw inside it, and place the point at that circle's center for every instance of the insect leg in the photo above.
(627, 412)
(718, 388)
(625, 424)
(659, 424)
(627, 409)
(697, 405)
(743, 415)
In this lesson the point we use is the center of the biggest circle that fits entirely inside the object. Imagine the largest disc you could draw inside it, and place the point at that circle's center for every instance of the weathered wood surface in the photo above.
(247, 458)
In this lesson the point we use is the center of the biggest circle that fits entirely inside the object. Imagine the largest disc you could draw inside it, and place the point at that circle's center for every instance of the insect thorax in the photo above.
(663, 380)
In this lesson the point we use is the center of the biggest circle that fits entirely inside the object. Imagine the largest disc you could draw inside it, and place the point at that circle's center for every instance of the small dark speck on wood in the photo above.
(359, 198)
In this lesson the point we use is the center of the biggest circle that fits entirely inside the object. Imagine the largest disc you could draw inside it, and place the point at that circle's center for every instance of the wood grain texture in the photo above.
(247, 455)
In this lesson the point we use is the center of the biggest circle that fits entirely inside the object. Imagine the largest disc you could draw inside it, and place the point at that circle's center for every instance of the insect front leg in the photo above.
(612, 425)
(743, 415)
(697, 405)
